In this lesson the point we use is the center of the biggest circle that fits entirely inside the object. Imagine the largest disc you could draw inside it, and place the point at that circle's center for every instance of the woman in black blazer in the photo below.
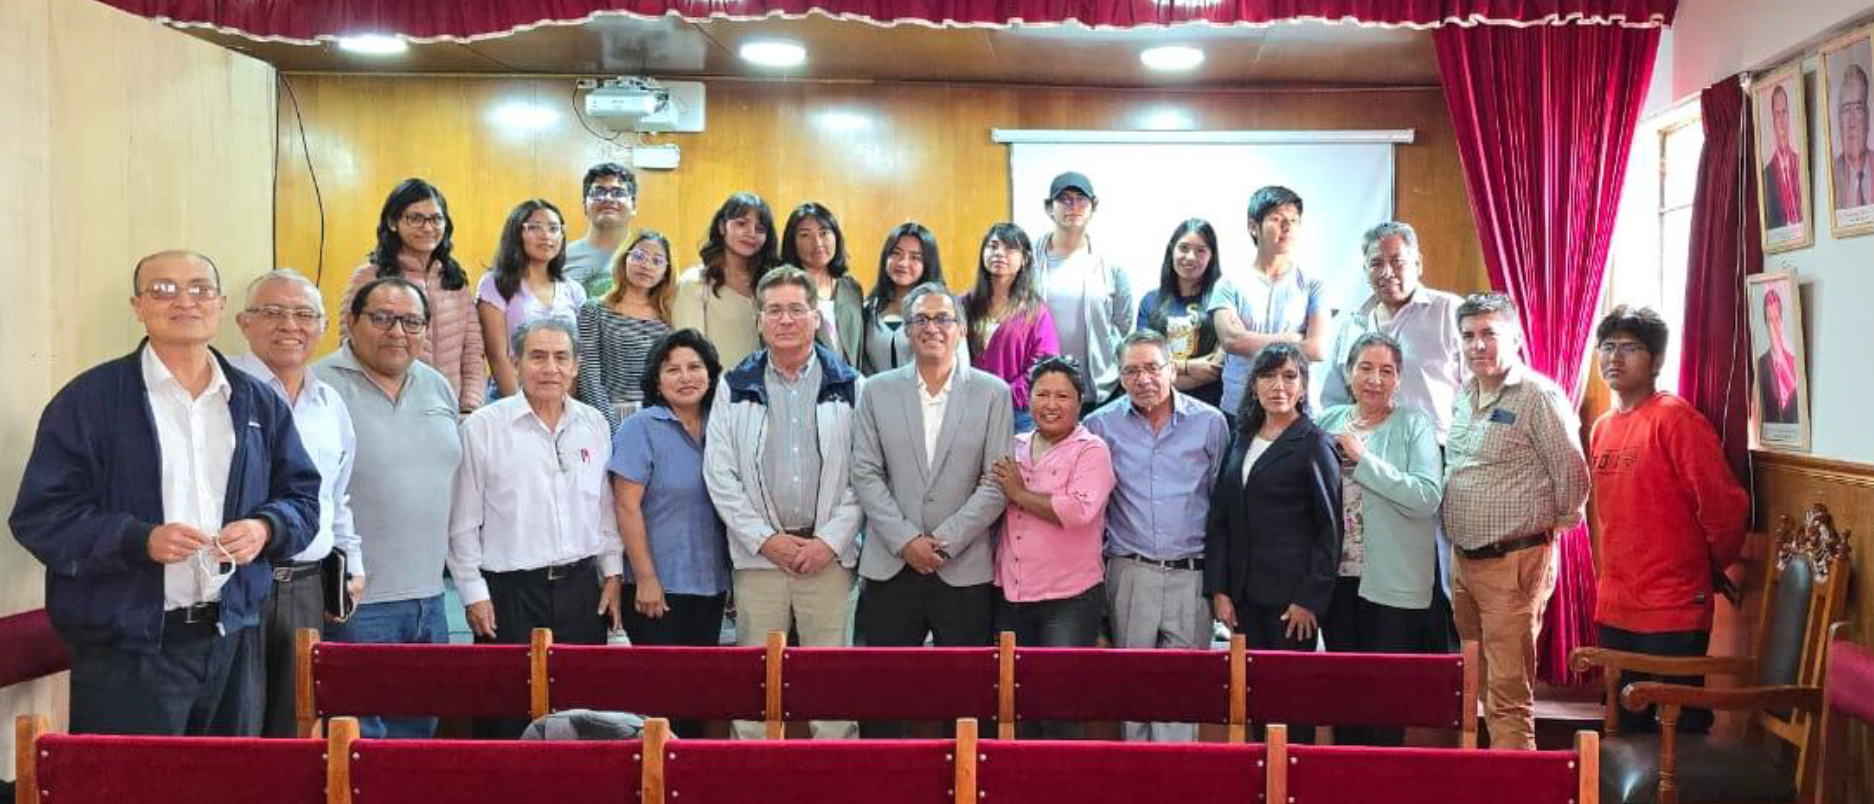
(1272, 545)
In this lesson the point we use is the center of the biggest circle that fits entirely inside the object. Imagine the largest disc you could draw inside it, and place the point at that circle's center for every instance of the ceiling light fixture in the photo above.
(1172, 58)
(774, 53)
(373, 44)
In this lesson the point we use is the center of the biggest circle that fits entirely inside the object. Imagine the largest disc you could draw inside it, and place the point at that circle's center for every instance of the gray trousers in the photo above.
(294, 604)
(1154, 607)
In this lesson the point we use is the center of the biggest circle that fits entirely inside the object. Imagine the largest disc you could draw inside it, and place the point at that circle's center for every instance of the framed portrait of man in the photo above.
(1845, 69)
(1782, 124)
(1779, 381)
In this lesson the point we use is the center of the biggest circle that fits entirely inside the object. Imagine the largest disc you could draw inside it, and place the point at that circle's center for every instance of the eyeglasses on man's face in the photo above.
(1146, 370)
(609, 194)
(929, 321)
(164, 290)
(277, 315)
(1625, 349)
(383, 320)
(792, 312)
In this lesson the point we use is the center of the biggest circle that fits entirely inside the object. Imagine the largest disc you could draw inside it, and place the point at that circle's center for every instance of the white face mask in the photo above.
(214, 565)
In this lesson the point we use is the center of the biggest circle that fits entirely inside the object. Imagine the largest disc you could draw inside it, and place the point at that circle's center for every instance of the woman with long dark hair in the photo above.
(527, 282)
(1176, 309)
(813, 242)
(908, 259)
(414, 241)
(717, 297)
(1010, 329)
(616, 332)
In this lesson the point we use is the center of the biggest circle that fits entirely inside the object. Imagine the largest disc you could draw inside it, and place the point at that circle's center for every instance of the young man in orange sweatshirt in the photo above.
(1670, 513)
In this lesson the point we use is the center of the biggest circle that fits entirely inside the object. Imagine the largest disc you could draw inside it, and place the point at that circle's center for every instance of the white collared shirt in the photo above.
(933, 406)
(325, 430)
(527, 497)
(195, 439)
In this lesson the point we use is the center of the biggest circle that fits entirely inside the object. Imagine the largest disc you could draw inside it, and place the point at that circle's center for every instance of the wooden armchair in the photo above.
(1805, 589)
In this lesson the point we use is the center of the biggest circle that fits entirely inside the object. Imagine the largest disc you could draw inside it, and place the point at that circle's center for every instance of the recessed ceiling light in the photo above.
(1172, 58)
(773, 53)
(373, 44)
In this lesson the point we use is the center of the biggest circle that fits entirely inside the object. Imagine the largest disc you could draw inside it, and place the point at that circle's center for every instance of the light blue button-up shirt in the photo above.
(1158, 509)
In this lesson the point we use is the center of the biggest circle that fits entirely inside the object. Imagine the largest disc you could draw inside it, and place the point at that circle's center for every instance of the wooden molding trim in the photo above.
(1843, 472)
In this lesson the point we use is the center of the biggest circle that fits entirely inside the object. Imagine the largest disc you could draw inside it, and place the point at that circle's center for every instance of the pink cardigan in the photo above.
(453, 343)
(1018, 344)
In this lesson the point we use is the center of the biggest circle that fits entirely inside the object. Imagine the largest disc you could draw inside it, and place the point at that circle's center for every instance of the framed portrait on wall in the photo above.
(1782, 127)
(1779, 381)
(1845, 68)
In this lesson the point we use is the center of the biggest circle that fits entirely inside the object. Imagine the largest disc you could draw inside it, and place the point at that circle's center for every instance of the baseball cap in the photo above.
(1070, 179)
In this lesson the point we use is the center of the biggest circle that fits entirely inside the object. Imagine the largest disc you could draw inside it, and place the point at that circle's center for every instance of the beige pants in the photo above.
(817, 605)
(1499, 602)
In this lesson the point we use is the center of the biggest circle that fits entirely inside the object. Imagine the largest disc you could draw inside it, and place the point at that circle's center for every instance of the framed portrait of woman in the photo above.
(1779, 379)
(1845, 68)
(1782, 126)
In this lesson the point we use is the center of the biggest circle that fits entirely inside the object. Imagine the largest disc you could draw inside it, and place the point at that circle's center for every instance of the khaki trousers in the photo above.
(816, 605)
(1499, 603)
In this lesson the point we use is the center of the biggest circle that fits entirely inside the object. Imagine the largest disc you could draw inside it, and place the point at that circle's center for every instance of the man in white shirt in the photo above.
(282, 320)
(532, 539)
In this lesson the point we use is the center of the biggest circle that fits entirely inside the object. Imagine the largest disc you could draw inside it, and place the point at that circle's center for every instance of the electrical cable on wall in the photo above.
(318, 196)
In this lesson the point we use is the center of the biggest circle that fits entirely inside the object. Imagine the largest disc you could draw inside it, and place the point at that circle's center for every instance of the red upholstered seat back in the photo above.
(83, 769)
(1184, 686)
(888, 683)
(473, 772)
(29, 648)
(703, 683)
(1355, 775)
(1356, 689)
(810, 771)
(1051, 772)
(420, 680)
(1850, 681)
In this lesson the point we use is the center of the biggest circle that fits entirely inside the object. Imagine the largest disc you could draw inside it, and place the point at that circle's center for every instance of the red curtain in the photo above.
(1725, 246)
(304, 21)
(1544, 118)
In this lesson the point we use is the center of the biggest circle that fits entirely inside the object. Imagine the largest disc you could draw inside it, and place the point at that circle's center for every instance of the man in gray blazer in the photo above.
(925, 438)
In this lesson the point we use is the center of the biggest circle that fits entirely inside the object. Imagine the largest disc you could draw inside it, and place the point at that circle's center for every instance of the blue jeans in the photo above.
(417, 621)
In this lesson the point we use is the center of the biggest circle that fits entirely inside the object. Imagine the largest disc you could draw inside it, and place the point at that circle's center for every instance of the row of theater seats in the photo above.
(778, 684)
(342, 769)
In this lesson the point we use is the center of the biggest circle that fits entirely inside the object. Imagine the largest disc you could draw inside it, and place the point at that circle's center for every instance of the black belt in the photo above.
(558, 572)
(804, 533)
(1505, 547)
(1176, 564)
(198, 615)
(295, 570)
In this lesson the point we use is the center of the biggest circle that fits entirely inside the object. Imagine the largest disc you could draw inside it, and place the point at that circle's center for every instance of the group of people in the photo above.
(587, 442)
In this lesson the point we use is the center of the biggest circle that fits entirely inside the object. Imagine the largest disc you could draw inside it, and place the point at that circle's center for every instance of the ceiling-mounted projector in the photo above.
(634, 103)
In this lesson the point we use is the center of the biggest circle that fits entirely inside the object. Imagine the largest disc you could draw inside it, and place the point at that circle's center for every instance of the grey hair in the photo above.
(1489, 304)
(1379, 233)
(537, 325)
(1143, 337)
(918, 293)
(1373, 339)
(285, 275)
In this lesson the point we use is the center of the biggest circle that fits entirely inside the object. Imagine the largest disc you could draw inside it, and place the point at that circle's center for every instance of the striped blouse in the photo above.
(612, 352)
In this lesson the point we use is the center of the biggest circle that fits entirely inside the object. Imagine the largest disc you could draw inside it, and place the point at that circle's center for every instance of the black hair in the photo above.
(1056, 364)
(612, 170)
(660, 351)
(1250, 415)
(884, 290)
(1023, 300)
(1168, 274)
(1267, 200)
(1643, 323)
(511, 255)
(363, 296)
(389, 243)
(790, 253)
(716, 246)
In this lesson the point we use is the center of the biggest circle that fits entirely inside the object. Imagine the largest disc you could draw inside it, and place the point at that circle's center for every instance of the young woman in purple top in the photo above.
(1010, 329)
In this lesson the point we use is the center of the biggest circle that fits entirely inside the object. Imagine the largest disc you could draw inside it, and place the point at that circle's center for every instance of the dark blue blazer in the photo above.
(92, 493)
(1276, 540)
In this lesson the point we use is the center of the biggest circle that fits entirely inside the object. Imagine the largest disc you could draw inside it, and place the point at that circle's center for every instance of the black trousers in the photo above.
(1263, 628)
(1069, 622)
(1665, 643)
(295, 603)
(199, 682)
(693, 620)
(528, 599)
(1357, 625)
(912, 607)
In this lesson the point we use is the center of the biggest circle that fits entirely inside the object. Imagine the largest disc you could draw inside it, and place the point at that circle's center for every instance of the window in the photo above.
(1647, 265)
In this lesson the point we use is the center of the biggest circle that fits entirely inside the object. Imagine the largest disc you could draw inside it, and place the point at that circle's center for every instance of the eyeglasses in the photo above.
(164, 290)
(417, 221)
(277, 315)
(1148, 370)
(383, 321)
(1625, 348)
(778, 312)
(653, 260)
(929, 321)
(609, 194)
(549, 229)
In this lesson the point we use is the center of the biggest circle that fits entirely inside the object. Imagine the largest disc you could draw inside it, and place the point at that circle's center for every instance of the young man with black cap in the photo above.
(1087, 292)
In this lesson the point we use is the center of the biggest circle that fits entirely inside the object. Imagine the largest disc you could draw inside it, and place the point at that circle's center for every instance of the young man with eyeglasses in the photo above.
(161, 487)
(1086, 290)
(403, 478)
(282, 321)
(1670, 513)
(778, 460)
(926, 438)
(610, 193)
(533, 542)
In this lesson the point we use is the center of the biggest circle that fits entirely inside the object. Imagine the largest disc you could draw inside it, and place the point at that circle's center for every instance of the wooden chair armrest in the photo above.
(1614, 661)
(1648, 693)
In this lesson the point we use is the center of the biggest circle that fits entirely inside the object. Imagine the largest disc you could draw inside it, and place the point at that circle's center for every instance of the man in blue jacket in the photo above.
(160, 486)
